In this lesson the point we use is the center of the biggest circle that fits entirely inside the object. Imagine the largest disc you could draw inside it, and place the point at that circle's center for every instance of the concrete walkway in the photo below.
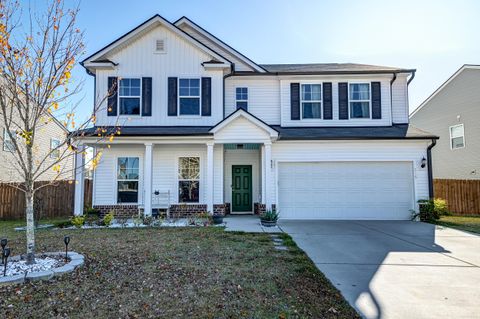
(397, 269)
(247, 223)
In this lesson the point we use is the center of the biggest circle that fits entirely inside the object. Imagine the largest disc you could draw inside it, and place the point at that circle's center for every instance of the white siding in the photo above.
(243, 157)
(182, 59)
(239, 64)
(218, 170)
(332, 151)
(400, 100)
(241, 130)
(386, 119)
(105, 176)
(263, 97)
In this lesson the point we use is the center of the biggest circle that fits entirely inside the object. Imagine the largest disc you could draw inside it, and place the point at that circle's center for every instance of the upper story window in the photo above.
(311, 101)
(127, 179)
(54, 148)
(189, 97)
(129, 96)
(457, 136)
(242, 98)
(359, 100)
(8, 144)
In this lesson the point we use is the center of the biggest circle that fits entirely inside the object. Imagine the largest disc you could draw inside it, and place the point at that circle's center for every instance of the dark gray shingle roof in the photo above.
(153, 130)
(329, 67)
(397, 131)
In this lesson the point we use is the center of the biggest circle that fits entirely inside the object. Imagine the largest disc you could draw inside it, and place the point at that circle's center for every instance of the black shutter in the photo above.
(206, 96)
(295, 101)
(112, 96)
(343, 101)
(327, 101)
(172, 96)
(146, 96)
(376, 101)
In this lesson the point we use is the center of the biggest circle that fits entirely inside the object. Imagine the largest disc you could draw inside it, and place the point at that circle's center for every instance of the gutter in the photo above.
(391, 95)
(430, 171)
(412, 77)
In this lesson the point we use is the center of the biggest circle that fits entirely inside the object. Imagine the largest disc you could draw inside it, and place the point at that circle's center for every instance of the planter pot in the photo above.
(217, 220)
(268, 223)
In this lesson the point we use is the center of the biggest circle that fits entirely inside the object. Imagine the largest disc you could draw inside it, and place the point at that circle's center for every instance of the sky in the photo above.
(434, 37)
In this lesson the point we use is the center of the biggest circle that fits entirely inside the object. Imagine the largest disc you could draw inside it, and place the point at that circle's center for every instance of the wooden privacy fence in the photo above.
(462, 196)
(50, 201)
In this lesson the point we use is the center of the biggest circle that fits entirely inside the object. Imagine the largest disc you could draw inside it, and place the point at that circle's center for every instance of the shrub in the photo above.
(430, 210)
(147, 220)
(137, 220)
(78, 221)
(63, 223)
(440, 206)
(92, 212)
(269, 216)
(108, 218)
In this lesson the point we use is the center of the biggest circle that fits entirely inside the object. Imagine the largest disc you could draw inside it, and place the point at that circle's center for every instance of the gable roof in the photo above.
(441, 87)
(220, 43)
(99, 56)
(249, 117)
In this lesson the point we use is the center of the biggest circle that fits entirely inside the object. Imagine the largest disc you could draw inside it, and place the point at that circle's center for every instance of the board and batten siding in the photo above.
(138, 59)
(346, 151)
(239, 64)
(457, 103)
(263, 97)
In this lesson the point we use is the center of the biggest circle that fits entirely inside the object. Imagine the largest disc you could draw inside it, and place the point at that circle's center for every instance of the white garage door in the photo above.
(345, 190)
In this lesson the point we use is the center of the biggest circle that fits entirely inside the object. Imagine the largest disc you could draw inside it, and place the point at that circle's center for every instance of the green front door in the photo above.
(241, 188)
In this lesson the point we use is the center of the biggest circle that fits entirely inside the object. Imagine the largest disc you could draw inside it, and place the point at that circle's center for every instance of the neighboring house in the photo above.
(49, 135)
(453, 113)
(218, 132)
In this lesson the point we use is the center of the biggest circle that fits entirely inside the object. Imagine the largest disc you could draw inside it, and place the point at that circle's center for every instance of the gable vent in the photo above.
(160, 46)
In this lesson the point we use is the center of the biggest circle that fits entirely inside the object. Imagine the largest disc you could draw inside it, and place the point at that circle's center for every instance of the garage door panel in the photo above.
(345, 190)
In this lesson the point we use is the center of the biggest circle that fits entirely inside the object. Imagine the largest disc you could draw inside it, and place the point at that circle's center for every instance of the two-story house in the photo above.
(221, 133)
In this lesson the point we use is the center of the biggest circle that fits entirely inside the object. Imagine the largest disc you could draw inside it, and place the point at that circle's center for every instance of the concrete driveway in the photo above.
(396, 269)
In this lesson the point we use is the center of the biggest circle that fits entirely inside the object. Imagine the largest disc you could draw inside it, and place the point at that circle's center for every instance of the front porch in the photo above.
(228, 171)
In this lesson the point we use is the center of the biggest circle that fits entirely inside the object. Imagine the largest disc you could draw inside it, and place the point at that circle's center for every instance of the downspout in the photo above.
(232, 72)
(391, 97)
(430, 171)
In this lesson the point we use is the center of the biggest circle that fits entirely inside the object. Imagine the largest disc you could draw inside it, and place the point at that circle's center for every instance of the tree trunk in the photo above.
(30, 227)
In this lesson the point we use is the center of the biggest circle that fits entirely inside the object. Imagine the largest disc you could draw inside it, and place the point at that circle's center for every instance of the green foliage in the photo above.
(78, 221)
(137, 220)
(63, 223)
(92, 212)
(147, 220)
(269, 216)
(430, 210)
(108, 218)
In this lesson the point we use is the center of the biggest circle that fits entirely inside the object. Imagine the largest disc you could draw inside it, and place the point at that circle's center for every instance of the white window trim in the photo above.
(237, 100)
(369, 102)
(128, 180)
(6, 138)
(191, 97)
(120, 96)
(452, 137)
(178, 179)
(311, 101)
(52, 150)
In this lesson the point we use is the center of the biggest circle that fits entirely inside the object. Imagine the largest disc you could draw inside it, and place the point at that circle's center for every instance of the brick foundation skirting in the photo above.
(259, 208)
(220, 209)
(119, 211)
(186, 210)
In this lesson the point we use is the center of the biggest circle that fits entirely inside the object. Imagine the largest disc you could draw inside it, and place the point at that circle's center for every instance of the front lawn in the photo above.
(471, 224)
(181, 272)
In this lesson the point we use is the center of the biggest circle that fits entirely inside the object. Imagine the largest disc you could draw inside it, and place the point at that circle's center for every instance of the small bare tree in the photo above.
(37, 53)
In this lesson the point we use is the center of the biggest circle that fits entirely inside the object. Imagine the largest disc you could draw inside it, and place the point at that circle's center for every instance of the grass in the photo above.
(467, 223)
(182, 272)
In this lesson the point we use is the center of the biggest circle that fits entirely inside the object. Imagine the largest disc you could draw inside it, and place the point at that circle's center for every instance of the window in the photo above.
(242, 98)
(360, 100)
(189, 96)
(127, 179)
(457, 136)
(129, 95)
(8, 145)
(311, 100)
(188, 179)
(54, 150)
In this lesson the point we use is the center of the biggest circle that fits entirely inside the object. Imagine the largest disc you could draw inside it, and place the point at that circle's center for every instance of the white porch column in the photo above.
(147, 180)
(268, 174)
(262, 164)
(79, 180)
(210, 180)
